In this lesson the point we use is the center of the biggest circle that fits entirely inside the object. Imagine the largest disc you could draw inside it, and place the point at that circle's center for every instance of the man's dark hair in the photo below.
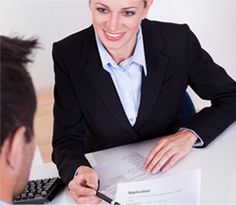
(18, 99)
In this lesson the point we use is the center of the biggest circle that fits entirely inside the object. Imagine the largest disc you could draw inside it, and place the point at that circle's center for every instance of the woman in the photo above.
(122, 80)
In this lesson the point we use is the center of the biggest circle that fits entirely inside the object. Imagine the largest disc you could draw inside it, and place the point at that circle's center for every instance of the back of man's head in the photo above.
(18, 105)
(18, 99)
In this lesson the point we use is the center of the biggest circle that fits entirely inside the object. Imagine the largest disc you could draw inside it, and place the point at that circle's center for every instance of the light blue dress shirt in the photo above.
(3, 202)
(127, 77)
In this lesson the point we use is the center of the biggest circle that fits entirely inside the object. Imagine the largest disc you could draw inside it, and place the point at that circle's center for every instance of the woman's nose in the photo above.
(113, 23)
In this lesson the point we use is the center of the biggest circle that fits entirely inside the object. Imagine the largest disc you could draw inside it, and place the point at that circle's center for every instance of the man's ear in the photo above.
(16, 148)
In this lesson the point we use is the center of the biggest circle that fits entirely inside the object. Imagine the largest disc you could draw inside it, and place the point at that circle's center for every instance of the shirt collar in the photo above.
(3, 202)
(138, 57)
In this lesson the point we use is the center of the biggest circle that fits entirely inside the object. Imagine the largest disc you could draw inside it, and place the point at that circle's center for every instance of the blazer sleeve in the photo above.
(211, 82)
(68, 131)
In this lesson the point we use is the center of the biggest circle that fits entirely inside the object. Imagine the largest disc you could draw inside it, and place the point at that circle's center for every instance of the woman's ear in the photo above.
(149, 3)
(16, 149)
(89, 4)
(147, 7)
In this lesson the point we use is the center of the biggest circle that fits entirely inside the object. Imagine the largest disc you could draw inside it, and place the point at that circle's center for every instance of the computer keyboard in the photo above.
(40, 191)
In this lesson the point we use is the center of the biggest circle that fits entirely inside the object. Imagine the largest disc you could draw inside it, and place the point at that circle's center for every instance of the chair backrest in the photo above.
(188, 110)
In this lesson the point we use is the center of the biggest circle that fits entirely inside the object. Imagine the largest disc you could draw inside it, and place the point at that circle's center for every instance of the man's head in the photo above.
(18, 105)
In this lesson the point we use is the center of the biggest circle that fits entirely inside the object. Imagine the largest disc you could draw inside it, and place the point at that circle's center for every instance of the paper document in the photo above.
(181, 188)
(129, 167)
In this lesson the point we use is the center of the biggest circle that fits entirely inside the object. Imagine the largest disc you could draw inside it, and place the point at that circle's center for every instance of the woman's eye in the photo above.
(128, 13)
(102, 10)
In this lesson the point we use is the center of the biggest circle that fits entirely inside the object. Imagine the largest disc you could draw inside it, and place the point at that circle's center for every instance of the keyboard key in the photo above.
(31, 195)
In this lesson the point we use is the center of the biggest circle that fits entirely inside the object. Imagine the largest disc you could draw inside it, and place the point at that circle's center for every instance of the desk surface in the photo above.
(217, 162)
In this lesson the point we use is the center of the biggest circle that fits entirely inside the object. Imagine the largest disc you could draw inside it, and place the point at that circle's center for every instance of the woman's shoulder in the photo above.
(75, 38)
(163, 26)
(167, 30)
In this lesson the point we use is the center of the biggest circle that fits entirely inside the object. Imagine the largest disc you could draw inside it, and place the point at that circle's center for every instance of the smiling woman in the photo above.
(117, 23)
(123, 80)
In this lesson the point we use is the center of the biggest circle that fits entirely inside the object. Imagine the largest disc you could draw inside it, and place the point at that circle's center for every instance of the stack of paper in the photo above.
(126, 177)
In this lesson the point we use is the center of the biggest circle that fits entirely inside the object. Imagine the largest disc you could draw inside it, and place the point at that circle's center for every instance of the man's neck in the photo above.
(6, 186)
(5, 193)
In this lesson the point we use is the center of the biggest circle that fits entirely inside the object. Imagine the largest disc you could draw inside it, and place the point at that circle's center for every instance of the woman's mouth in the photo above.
(113, 36)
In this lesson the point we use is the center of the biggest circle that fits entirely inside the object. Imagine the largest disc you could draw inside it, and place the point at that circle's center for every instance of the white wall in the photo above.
(213, 21)
(50, 20)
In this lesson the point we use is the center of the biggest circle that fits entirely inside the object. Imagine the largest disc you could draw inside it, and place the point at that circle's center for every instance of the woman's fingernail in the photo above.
(164, 169)
(155, 171)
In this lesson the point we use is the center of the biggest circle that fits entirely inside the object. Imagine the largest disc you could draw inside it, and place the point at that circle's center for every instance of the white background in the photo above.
(213, 21)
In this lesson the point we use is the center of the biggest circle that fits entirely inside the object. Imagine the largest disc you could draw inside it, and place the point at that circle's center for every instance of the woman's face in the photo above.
(116, 22)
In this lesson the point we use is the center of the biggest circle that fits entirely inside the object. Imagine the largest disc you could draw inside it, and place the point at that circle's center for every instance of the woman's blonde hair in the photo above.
(145, 2)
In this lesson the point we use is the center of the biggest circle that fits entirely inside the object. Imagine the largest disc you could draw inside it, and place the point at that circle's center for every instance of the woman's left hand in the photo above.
(169, 150)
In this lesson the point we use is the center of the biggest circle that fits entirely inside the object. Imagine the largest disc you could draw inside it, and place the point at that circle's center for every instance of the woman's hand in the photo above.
(79, 186)
(169, 150)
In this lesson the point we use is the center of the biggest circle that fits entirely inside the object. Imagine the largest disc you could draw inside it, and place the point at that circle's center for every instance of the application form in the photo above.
(129, 167)
(135, 186)
(181, 188)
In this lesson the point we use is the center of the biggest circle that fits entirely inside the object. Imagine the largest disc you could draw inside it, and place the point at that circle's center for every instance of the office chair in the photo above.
(188, 109)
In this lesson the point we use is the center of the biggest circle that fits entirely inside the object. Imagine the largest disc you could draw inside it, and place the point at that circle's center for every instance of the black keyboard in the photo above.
(40, 191)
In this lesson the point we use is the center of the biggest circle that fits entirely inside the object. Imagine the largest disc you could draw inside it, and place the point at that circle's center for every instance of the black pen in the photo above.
(104, 197)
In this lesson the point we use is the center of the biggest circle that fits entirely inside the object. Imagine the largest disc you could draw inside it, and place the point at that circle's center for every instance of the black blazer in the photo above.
(88, 114)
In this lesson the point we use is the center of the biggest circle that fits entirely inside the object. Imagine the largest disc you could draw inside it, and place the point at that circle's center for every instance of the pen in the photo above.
(104, 197)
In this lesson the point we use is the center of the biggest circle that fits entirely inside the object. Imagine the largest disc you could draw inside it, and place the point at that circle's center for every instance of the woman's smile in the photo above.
(113, 36)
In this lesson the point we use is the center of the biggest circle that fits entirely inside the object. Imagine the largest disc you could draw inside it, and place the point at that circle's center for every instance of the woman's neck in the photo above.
(122, 54)
(118, 57)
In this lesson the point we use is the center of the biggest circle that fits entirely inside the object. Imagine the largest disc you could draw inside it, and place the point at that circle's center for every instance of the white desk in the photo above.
(217, 163)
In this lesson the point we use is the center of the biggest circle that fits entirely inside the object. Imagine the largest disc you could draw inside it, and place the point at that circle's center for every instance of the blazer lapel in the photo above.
(102, 83)
(157, 63)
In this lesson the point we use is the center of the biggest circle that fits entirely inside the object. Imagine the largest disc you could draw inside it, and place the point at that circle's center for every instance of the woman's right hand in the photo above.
(82, 187)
